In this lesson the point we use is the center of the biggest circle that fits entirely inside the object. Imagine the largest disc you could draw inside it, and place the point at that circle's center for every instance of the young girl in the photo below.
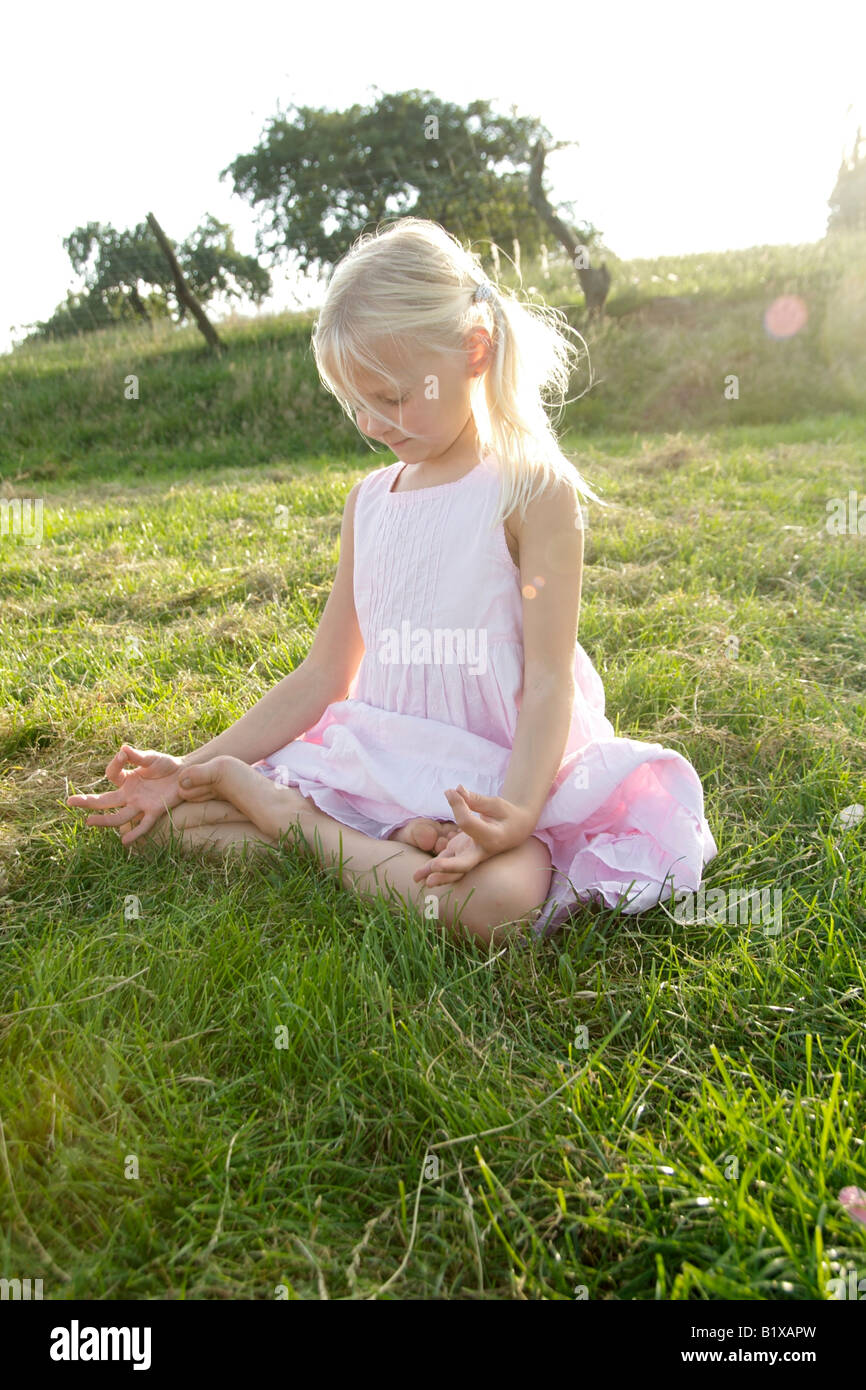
(446, 703)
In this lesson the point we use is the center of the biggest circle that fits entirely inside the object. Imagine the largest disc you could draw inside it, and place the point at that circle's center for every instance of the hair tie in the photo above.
(482, 291)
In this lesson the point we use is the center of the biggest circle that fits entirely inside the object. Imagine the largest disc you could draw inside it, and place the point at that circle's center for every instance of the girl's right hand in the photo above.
(148, 790)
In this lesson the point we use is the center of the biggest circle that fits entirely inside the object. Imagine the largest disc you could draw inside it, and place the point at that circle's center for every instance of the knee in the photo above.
(503, 903)
(509, 898)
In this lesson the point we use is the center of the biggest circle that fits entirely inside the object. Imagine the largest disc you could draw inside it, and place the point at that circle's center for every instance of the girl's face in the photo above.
(432, 406)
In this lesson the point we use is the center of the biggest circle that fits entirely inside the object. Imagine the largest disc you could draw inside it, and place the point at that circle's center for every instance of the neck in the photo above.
(458, 458)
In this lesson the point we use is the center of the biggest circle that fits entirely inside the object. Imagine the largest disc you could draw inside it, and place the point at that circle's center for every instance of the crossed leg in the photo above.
(491, 903)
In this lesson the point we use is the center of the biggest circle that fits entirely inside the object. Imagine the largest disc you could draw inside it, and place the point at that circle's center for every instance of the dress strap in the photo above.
(393, 486)
(375, 483)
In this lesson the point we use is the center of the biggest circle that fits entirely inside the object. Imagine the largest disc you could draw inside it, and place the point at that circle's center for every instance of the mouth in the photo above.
(398, 443)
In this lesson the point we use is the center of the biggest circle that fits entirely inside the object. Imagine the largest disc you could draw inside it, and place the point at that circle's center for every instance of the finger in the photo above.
(463, 814)
(150, 764)
(146, 823)
(459, 867)
(433, 876)
(99, 801)
(484, 805)
(118, 762)
(482, 829)
(455, 865)
(423, 873)
(194, 796)
(123, 816)
(198, 776)
(469, 802)
(126, 754)
(446, 835)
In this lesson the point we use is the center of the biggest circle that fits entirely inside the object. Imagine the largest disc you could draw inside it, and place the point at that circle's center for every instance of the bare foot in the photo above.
(424, 833)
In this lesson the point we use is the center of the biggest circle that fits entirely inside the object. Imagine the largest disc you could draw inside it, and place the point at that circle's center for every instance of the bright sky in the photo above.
(700, 126)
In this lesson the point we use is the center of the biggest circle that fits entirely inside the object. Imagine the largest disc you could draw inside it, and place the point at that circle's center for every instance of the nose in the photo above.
(375, 426)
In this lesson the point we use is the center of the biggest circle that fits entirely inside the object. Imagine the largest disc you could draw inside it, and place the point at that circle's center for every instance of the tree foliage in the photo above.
(322, 177)
(127, 276)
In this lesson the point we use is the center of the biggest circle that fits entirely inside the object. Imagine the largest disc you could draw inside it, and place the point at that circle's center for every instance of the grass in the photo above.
(244, 1082)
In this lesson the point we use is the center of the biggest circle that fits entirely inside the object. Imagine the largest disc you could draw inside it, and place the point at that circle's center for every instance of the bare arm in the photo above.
(551, 561)
(291, 707)
(324, 676)
(551, 545)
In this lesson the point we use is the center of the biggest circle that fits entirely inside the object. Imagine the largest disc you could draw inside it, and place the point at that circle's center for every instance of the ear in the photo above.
(480, 350)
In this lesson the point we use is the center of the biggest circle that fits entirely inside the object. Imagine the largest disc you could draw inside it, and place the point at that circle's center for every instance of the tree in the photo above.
(127, 275)
(847, 202)
(594, 280)
(323, 177)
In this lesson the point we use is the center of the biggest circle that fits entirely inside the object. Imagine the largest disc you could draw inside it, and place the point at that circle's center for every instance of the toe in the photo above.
(426, 835)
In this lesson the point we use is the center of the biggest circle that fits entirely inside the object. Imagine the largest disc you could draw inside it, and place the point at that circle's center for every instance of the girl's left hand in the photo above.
(489, 825)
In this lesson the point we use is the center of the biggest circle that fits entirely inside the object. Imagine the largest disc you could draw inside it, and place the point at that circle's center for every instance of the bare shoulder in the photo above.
(352, 495)
(554, 510)
(350, 504)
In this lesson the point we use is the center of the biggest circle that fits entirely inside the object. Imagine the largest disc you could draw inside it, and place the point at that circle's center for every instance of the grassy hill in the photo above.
(693, 1142)
(676, 328)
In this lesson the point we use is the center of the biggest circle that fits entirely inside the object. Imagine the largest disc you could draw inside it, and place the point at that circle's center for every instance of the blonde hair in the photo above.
(415, 283)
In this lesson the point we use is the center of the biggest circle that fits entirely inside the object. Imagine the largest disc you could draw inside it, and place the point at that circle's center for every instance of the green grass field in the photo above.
(639, 1108)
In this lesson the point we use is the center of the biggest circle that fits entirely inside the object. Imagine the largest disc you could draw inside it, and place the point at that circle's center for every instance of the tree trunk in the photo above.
(184, 293)
(595, 283)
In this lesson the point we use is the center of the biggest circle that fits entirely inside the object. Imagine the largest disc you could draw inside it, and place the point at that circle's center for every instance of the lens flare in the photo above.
(785, 316)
